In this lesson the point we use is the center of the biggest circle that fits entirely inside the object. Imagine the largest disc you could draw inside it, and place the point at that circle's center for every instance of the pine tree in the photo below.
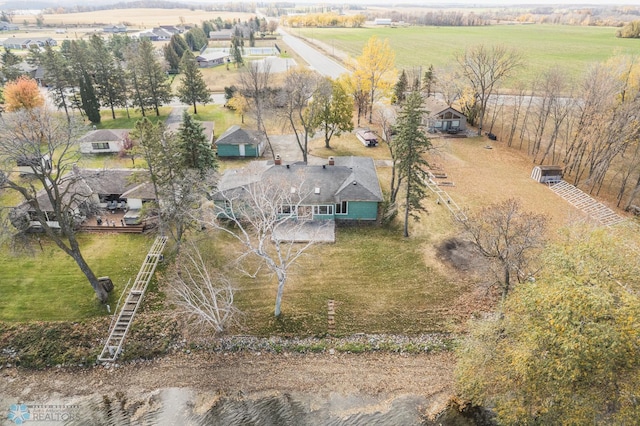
(148, 78)
(108, 77)
(57, 76)
(400, 88)
(409, 145)
(192, 88)
(90, 103)
(194, 149)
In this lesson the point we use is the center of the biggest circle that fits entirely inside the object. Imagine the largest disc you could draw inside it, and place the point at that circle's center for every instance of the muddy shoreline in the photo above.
(376, 377)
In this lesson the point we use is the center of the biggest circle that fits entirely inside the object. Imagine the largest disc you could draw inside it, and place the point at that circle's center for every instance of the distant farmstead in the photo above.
(28, 43)
(382, 21)
(115, 29)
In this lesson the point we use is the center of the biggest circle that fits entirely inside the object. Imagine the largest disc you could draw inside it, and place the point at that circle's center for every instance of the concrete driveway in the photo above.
(289, 151)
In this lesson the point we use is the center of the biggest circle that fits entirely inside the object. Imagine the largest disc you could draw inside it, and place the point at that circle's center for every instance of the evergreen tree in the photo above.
(194, 148)
(57, 75)
(192, 88)
(196, 39)
(119, 44)
(10, 62)
(148, 77)
(107, 75)
(401, 87)
(409, 145)
(429, 80)
(172, 58)
(90, 103)
(208, 27)
(237, 50)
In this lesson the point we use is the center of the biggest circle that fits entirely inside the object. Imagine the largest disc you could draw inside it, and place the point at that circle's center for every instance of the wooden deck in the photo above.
(111, 222)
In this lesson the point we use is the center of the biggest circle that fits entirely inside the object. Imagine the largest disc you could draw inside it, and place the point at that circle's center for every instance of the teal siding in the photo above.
(250, 151)
(234, 150)
(360, 210)
(323, 217)
(228, 151)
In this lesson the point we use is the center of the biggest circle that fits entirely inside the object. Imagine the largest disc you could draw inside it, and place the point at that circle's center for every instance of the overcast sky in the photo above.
(491, 3)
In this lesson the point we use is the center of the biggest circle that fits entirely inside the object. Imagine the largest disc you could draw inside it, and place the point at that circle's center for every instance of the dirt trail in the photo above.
(377, 375)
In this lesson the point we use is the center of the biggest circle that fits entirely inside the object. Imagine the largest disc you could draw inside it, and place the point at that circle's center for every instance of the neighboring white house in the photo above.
(211, 59)
(103, 141)
(382, 21)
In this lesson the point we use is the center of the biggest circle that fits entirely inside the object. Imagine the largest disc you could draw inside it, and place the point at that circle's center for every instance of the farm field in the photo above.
(572, 48)
(137, 18)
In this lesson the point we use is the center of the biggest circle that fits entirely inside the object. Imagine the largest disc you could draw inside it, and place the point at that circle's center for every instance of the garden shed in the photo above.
(239, 142)
(547, 174)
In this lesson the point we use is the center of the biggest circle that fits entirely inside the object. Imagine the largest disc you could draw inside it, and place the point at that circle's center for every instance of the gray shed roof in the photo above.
(349, 179)
(104, 135)
(235, 135)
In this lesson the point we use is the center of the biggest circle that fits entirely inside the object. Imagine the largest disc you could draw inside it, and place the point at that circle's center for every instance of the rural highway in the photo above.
(316, 59)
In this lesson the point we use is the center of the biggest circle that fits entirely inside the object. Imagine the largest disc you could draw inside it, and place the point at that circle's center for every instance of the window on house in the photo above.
(341, 208)
(288, 209)
(100, 145)
(322, 209)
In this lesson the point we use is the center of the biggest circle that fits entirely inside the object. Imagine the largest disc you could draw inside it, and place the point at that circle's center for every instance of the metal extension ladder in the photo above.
(444, 198)
(113, 345)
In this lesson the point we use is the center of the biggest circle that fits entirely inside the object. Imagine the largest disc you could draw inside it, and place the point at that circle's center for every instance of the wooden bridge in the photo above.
(120, 328)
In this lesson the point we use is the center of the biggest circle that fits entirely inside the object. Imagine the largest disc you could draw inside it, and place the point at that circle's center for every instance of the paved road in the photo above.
(316, 59)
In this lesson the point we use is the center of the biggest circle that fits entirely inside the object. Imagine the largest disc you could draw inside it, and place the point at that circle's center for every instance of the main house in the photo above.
(344, 189)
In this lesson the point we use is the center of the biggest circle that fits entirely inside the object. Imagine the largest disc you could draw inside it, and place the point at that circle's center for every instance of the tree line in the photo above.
(121, 73)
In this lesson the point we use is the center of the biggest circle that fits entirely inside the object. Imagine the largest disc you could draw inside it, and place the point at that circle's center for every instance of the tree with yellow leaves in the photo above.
(22, 93)
(376, 65)
(564, 350)
(239, 104)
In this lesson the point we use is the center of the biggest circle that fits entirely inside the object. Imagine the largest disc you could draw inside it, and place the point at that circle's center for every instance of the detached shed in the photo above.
(547, 174)
(239, 142)
(367, 137)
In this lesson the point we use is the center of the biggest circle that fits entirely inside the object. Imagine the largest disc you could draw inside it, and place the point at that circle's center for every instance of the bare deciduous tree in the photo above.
(484, 67)
(203, 295)
(300, 114)
(52, 189)
(266, 217)
(254, 81)
(503, 233)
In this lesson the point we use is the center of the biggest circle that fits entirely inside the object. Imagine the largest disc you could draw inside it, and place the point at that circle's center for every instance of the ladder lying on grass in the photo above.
(584, 202)
(113, 346)
(444, 198)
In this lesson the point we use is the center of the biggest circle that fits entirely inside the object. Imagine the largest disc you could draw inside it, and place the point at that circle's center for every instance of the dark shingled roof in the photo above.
(235, 135)
(349, 179)
(104, 135)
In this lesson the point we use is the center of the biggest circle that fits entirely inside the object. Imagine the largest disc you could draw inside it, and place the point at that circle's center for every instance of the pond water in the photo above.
(180, 406)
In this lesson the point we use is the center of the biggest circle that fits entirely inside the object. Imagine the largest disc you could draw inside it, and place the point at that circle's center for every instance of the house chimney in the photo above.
(278, 160)
(332, 161)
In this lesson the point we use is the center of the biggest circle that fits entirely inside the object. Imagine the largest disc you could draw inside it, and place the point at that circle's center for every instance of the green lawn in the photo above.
(379, 281)
(571, 47)
(47, 285)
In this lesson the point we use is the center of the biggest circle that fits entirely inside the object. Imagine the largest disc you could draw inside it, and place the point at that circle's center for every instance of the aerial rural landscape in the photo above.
(299, 213)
